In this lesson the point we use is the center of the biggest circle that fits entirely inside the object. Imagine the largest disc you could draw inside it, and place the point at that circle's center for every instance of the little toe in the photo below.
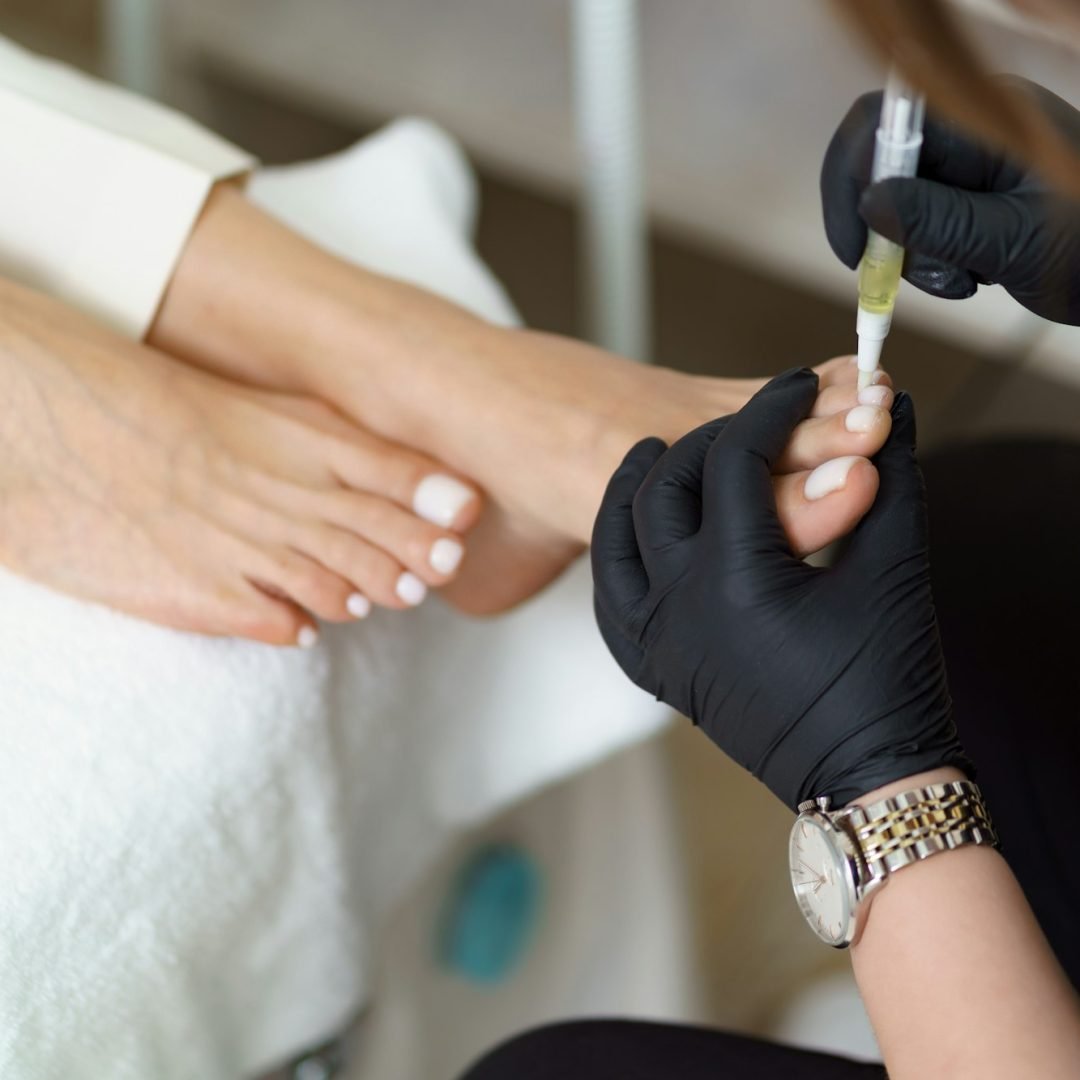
(309, 583)
(262, 614)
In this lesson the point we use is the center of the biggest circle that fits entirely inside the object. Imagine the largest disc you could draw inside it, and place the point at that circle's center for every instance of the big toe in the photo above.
(819, 506)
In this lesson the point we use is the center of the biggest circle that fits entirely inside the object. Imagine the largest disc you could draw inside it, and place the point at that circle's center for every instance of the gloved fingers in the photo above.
(667, 507)
(619, 578)
(845, 172)
(951, 156)
(627, 654)
(939, 278)
(738, 507)
(948, 156)
(894, 531)
(982, 233)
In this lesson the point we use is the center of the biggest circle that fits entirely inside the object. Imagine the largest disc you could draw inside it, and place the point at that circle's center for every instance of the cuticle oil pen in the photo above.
(896, 153)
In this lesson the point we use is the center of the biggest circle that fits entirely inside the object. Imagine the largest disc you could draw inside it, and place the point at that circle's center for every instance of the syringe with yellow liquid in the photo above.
(896, 153)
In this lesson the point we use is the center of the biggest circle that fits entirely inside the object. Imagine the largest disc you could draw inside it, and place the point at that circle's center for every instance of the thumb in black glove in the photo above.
(971, 217)
(820, 682)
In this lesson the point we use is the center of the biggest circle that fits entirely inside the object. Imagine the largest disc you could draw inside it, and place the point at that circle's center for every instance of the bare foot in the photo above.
(130, 479)
(515, 552)
(539, 421)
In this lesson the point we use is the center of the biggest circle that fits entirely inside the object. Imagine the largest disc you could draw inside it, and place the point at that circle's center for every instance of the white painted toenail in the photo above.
(862, 418)
(445, 555)
(439, 499)
(827, 478)
(874, 395)
(308, 637)
(359, 607)
(410, 589)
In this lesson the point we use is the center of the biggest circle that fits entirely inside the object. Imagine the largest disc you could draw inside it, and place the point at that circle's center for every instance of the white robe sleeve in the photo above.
(99, 188)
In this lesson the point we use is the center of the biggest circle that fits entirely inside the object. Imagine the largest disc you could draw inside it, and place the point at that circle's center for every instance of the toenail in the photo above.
(445, 555)
(307, 638)
(827, 478)
(359, 607)
(439, 499)
(862, 418)
(410, 589)
(874, 395)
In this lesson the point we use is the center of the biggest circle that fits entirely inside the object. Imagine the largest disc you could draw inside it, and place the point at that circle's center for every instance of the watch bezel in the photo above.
(844, 845)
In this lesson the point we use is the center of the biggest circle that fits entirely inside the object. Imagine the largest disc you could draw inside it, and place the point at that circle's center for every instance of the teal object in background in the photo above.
(491, 915)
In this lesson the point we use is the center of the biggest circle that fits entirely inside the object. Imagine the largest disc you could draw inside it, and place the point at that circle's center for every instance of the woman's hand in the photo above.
(820, 682)
(971, 217)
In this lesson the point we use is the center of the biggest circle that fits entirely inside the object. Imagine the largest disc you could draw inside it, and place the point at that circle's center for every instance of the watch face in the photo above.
(822, 878)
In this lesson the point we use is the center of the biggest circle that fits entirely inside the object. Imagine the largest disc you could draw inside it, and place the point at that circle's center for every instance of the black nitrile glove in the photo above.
(970, 217)
(820, 682)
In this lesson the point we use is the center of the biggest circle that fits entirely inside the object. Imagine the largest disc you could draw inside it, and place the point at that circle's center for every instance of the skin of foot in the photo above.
(823, 485)
(538, 420)
(139, 482)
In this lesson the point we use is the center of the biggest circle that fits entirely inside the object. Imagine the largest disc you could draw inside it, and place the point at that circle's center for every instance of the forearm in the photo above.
(956, 974)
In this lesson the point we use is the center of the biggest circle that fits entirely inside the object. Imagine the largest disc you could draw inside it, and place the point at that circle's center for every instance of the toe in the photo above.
(844, 394)
(860, 430)
(312, 585)
(838, 371)
(819, 506)
(432, 553)
(274, 620)
(413, 481)
(374, 574)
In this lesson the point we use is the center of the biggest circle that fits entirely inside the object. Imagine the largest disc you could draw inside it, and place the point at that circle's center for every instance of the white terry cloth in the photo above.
(200, 839)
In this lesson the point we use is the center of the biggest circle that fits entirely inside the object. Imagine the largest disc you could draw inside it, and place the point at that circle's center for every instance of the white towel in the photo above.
(200, 839)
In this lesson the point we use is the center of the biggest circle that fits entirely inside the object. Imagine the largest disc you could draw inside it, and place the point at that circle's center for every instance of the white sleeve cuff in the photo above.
(100, 190)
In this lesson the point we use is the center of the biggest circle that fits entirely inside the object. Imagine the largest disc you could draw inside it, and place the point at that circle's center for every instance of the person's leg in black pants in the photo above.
(630, 1050)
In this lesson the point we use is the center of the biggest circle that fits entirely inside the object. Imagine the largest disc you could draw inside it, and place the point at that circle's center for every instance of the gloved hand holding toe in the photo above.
(819, 681)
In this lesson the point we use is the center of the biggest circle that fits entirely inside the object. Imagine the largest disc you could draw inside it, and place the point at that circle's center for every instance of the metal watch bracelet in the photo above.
(916, 824)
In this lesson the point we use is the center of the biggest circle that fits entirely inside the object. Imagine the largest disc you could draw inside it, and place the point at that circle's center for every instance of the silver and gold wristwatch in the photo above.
(839, 859)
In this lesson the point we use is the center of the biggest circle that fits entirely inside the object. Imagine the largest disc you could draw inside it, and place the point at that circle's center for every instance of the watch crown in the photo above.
(822, 802)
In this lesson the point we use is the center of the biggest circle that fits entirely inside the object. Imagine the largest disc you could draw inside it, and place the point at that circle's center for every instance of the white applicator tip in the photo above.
(871, 328)
(869, 352)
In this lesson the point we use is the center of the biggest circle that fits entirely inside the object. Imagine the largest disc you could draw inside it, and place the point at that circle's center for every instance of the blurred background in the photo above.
(738, 101)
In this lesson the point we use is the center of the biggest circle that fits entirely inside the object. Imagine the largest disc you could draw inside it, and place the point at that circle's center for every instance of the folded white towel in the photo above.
(200, 839)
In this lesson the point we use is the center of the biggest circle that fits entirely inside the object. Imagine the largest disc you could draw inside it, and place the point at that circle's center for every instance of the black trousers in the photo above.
(1005, 552)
